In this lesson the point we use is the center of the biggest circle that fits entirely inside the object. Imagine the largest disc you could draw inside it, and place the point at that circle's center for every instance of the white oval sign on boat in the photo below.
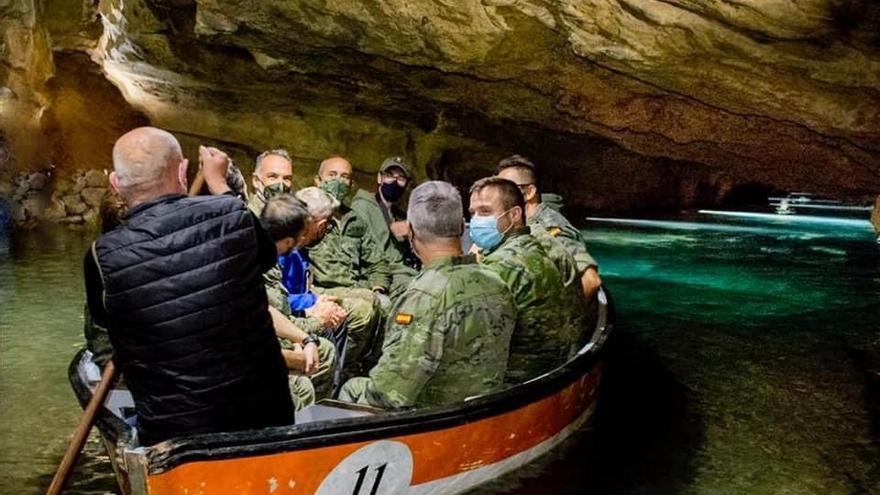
(380, 468)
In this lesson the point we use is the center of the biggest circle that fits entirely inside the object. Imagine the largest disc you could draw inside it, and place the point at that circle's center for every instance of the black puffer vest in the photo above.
(187, 316)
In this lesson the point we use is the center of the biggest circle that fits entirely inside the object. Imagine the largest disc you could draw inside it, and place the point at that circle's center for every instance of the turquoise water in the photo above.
(739, 364)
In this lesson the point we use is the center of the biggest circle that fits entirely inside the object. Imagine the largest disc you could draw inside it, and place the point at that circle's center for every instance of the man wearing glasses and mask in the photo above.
(386, 221)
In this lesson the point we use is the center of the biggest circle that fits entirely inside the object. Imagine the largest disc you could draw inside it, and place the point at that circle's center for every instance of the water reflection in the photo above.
(742, 363)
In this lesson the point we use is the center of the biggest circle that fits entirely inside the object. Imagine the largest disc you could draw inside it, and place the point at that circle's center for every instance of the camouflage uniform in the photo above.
(347, 257)
(363, 327)
(558, 255)
(549, 315)
(256, 202)
(447, 339)
(303, 389)
(559, 227)
(395, 252)
(346, 264)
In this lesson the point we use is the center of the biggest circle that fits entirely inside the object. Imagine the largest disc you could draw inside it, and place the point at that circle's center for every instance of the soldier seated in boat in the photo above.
(347, 262)
(448, 334)
(385, 222)
(273, 175)
(523, 173)
(549, 314)
(362, 320)
(285, 219)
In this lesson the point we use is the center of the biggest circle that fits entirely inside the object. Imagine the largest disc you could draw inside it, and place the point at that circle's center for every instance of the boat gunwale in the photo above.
(167, 455)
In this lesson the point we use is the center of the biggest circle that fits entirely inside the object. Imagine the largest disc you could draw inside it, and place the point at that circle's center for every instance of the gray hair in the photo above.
(142, 157)
(319, 203)
(276, 152)
(435, 210)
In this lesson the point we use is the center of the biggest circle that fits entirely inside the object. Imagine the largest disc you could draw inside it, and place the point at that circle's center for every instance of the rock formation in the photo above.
(628, 105)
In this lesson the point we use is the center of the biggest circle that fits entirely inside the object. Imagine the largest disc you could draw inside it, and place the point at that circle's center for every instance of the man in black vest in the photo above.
(179, 286)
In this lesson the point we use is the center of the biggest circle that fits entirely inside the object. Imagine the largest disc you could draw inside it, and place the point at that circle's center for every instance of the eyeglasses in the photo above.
(400, 179)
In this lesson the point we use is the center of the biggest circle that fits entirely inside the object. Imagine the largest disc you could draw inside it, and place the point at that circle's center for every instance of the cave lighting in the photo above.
(853, 223)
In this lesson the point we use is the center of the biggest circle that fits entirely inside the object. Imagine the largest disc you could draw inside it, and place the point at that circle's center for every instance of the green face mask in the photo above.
(336, 188)
(275, 189)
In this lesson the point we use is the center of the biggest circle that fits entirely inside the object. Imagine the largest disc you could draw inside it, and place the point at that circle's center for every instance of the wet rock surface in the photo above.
(627, 106)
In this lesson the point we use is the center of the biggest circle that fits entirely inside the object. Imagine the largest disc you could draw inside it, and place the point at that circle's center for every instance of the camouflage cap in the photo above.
(395, 161)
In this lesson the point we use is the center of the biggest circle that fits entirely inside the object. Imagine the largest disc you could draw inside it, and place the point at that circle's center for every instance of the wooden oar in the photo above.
(82, 430)
(198, 182)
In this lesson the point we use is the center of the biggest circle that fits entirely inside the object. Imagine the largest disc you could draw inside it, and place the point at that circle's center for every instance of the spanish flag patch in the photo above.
(554, 231)
(403, 319)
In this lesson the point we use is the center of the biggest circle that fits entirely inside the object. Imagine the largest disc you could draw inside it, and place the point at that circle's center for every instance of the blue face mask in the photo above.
(484, 231)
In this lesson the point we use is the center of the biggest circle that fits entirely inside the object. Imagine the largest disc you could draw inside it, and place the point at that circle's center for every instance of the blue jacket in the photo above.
(294, 277)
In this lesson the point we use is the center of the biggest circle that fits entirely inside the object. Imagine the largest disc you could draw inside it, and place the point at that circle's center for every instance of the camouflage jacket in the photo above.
(549, 315)
(446, 339)
(559, 227)
(256, 202)
(277, 295)
(347, 256)
(558, 255)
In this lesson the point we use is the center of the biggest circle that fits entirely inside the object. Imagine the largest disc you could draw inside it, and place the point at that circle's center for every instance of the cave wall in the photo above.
(627, 106)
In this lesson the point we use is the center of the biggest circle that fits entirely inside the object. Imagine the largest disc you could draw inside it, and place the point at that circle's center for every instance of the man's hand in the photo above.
(312, 360)
(329, 313)
(214, 165)
(302, 360)
(590, 282)
(326, 298)
(400, 230)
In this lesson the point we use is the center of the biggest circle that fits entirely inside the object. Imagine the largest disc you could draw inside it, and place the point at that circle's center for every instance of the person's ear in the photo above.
(255, 181)
(182, 170)
(516, 215)
(114, 183)
(379, 178)
(317, 181)
(530, 192)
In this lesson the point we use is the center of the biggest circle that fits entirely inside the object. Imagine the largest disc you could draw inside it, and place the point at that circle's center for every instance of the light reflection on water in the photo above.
(738, 366)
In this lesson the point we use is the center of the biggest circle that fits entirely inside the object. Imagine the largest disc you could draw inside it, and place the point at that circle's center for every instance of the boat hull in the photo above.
(444, 450)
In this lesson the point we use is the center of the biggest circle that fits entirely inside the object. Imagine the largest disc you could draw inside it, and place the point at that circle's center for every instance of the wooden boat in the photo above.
(339, 448)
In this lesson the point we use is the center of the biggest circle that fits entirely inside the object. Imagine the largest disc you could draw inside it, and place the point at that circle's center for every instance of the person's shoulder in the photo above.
(352, 225)
(478, 278)
(363, 199)
(553, 221)
(222, 202)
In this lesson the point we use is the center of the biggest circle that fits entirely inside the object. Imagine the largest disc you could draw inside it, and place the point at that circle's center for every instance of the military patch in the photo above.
(403, 319)
(554, 231)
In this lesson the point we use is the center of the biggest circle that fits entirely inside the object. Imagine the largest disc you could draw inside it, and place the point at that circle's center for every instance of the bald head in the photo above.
(335, 166)
(147, 163)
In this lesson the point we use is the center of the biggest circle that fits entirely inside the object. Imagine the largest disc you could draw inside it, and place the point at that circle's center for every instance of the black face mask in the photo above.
(392, 191)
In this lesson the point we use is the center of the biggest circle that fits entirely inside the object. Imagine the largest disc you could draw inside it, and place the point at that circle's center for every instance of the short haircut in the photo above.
(284, 216)
(331, 157)
(319, 203)
(522, 165)
(276, 152)
(435, 210)
(508, 191)
(146, 159)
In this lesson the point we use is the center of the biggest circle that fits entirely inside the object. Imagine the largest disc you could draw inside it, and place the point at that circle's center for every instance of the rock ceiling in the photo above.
(627, 104)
